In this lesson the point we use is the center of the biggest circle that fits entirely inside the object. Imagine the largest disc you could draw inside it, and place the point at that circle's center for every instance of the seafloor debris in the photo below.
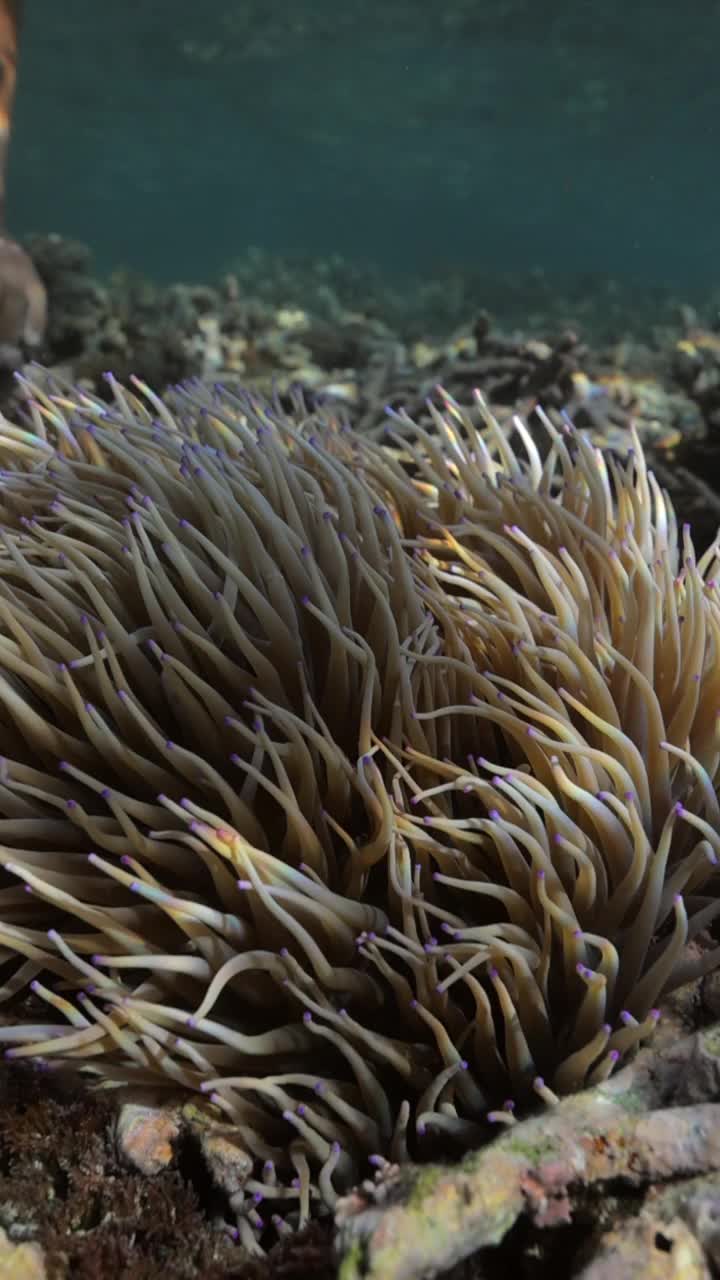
(20, 1261)
(334, 341)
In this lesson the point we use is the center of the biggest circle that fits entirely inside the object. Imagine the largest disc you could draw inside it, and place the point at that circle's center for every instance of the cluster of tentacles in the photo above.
(359, 785)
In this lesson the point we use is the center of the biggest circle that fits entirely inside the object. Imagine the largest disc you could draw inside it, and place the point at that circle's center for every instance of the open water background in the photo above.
(416, 137)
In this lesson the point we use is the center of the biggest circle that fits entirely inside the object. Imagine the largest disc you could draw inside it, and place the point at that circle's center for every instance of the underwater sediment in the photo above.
(367, 788)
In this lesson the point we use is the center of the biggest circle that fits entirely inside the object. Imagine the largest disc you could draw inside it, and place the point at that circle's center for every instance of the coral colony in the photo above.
(358, 785)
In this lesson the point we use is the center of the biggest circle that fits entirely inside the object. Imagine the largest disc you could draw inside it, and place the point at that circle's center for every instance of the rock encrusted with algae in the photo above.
(656, 1122)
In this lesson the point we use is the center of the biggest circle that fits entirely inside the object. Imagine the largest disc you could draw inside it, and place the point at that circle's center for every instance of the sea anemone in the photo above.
(357, 784)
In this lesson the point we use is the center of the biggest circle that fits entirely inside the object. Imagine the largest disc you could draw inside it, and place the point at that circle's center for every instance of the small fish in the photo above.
(9, 29)
(23, 301)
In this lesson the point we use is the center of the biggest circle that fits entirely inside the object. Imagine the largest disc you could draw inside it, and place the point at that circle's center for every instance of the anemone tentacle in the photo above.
(356, 784)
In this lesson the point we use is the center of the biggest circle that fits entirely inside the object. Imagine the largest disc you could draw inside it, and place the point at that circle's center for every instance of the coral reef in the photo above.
(356, 786)
(607, 355)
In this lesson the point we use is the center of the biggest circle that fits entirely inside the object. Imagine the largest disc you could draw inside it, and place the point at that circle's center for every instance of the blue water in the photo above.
(415, 136)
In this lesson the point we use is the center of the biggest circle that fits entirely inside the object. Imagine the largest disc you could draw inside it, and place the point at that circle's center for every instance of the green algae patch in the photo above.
(444, 1208)
(352, 1266)
(711, 1040)
(424, 1185)
(534, 1152)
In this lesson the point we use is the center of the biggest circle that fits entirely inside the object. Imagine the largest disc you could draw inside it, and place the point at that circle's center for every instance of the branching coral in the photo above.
(357, 785)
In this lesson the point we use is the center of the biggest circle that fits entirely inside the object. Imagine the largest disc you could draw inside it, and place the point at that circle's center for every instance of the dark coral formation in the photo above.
(358, 786)
(61, 1184)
